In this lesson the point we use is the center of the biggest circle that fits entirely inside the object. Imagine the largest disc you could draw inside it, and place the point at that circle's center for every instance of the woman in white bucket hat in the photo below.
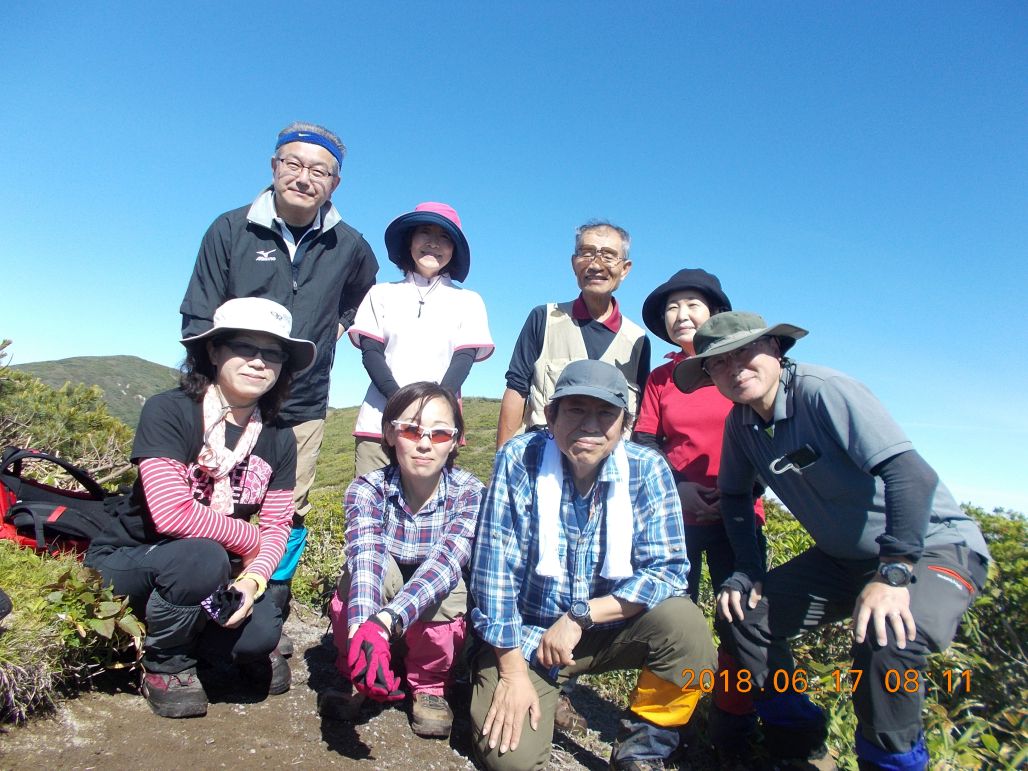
(182, 546)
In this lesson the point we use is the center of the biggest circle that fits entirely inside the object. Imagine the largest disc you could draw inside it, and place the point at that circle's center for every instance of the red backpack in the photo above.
(42, 517)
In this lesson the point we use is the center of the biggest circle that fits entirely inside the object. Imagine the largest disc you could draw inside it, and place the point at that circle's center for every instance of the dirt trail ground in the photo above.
(113, 728)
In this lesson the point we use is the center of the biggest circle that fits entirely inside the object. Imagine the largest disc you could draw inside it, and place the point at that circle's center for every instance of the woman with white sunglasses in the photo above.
(409, 531)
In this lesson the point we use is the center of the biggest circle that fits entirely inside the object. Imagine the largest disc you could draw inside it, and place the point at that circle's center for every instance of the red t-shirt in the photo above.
(689, 427)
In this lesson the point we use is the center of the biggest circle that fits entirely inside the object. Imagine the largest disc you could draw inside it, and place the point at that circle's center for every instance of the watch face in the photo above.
(896, 574)
(579, 609)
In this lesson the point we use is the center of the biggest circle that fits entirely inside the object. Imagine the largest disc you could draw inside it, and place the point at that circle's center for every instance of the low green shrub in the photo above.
(71, 422)
(64, 629)
(323, 558)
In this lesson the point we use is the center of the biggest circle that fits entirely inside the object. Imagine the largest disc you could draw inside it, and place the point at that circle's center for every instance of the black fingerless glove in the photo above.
(740, 582)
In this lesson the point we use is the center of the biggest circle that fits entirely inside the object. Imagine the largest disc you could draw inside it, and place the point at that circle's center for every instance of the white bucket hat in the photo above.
(257, 314)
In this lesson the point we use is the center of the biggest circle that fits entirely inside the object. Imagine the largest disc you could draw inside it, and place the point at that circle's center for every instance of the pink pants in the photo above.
(432, 649)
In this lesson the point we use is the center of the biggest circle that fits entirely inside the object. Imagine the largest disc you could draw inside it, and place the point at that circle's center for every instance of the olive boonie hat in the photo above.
(598, 379)
(444, 215)
(258, 314)
(705, 283)
(725, 333)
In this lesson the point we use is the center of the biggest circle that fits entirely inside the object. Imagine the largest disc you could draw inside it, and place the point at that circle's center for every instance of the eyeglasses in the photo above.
(608, 257)
(295, 168)
(248, 351)
(414, 432)
(718, 365)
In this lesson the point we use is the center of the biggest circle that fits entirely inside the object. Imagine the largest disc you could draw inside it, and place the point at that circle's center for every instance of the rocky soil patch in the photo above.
(112, 727)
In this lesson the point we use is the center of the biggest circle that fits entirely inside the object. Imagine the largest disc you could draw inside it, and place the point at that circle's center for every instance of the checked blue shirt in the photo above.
(515, 605)
(437, 539)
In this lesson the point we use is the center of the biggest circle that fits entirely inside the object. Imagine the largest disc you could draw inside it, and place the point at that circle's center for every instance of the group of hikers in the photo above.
(610, 484)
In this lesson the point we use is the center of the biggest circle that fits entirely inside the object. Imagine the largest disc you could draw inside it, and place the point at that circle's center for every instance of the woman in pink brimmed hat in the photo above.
(419, 333)
(420, 328)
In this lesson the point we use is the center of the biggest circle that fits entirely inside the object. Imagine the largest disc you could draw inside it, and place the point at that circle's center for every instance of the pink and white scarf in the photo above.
(217, 460)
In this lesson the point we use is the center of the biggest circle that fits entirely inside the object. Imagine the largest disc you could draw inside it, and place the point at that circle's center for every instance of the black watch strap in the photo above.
(896, 573)
(397, 624)
(581, 614)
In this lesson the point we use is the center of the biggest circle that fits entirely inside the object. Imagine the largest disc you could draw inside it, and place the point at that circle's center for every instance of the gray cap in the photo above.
(597, 379)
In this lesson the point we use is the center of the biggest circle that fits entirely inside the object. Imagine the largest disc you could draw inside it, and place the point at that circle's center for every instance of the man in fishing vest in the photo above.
(589, 327)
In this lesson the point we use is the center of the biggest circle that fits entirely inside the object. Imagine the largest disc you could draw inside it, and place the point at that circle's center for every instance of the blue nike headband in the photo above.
(313, 139)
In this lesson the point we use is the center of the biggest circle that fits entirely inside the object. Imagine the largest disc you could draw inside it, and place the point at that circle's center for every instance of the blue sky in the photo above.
(857, 169)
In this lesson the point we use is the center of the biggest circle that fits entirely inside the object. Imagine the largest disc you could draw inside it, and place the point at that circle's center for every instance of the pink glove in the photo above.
(368, 660)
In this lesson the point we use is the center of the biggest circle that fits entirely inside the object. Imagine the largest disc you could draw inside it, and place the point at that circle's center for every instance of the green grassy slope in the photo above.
(126, 381)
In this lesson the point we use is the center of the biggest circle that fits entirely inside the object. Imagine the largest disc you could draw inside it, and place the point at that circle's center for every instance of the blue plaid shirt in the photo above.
(437, 539)
(515, 605)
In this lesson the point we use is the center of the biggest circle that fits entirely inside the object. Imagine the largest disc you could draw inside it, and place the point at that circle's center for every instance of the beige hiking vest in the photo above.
(563, 343)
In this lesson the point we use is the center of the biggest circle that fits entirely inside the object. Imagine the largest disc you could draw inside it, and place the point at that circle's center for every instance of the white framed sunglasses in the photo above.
(415, 431)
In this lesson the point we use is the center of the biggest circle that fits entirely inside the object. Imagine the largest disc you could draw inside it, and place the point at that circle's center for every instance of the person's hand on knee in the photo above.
(885, 607)
(558, 643)
(513, 698)
(729, 599)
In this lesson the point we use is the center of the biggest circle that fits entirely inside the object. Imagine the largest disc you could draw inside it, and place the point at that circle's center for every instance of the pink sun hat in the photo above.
(397, 236)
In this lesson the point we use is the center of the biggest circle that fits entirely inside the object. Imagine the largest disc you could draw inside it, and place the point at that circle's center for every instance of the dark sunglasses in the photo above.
(414, 431)
(250, 351)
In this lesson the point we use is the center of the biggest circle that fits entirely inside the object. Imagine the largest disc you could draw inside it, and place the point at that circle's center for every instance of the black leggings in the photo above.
(814, 588)
(165, 583)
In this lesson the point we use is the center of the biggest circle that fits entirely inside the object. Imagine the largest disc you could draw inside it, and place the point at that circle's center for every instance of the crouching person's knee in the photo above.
(681, 661)
(261, 632)
(193, 568)
(534, 745)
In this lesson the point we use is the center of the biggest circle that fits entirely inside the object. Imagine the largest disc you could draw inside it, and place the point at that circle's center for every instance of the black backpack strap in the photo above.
(10, 463)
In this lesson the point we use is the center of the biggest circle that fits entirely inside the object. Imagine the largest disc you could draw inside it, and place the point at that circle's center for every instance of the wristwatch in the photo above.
(396, 626)
(581, 614)
(896, 573)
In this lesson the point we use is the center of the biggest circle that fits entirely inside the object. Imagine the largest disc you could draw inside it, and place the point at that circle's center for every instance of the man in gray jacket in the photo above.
(892, 549)
(291, 246)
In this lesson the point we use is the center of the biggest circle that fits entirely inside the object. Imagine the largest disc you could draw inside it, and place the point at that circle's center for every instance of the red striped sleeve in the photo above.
(276, 518)
(176, 513)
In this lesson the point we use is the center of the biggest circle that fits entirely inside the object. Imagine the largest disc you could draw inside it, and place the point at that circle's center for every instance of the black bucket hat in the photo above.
(725, 333)
(444, 215)
(687, 278)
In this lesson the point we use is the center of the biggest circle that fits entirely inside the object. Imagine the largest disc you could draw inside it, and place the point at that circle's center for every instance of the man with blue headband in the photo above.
(291, 246)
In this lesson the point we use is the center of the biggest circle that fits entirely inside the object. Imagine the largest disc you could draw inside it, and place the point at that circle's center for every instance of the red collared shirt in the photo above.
(581, 312)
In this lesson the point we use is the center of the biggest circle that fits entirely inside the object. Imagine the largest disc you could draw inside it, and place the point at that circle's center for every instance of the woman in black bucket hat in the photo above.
(688, 429)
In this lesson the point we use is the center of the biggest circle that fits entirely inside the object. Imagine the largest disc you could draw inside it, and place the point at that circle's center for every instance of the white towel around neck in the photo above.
(617, 559)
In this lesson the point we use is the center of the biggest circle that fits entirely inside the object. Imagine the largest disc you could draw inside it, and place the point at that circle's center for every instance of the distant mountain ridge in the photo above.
(126, 381)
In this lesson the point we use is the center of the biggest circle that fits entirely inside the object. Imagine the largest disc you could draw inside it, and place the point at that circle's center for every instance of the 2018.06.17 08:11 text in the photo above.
(838, 680)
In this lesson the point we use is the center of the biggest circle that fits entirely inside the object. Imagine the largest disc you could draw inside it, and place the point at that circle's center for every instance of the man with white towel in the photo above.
(580, 566)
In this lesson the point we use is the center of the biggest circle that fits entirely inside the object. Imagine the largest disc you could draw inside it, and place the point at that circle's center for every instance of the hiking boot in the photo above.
(818, 761)
(642, 764)
(567, 718)
(431, 716)
(285, 645)
(732, 737)
(175, 695)
(271, 673)
(340, 704)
